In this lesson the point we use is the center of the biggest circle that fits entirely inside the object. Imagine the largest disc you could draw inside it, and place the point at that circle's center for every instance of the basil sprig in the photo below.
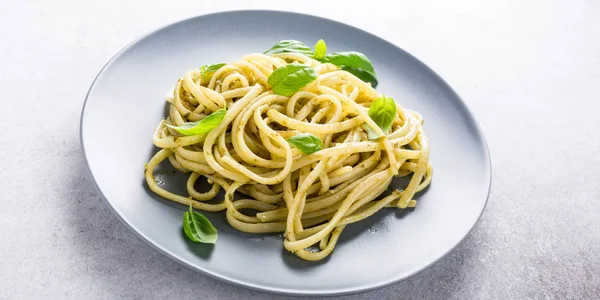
(383, 113)
(207, 71)
(289, 79)
(203, 126)
(290, 46)
(198, 228)
(353, 62)
(306, 142)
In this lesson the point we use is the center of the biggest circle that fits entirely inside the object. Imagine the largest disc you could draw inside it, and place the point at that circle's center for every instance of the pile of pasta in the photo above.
(308, 197)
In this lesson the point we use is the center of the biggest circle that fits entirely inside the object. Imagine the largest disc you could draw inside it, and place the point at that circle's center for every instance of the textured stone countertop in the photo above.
(529, 70)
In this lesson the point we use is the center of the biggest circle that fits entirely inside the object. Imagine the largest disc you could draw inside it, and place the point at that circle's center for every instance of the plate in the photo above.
(126, 101)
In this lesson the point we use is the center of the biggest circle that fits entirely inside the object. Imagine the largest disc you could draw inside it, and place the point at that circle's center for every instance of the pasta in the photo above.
(308, 197)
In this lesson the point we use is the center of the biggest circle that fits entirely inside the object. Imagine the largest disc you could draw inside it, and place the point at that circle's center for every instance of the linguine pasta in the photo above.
(309, 197)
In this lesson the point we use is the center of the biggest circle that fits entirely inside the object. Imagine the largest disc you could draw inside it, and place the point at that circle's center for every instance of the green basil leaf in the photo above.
(207, 71)
(289, 79)
(306, 142)
(383, 113)
(198, 228)
(320, 49)
(350, 59)
(203, 126)
(290, 46)
(188, 227)
(363, 75)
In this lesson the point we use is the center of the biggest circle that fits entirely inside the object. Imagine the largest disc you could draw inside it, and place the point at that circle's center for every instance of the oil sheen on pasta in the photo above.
(311, 198)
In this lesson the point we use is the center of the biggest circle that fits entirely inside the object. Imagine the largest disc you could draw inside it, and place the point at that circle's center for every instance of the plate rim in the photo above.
(260, 287)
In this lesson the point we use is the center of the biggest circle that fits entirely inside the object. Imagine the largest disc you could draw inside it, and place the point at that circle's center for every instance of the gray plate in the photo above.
(126, 101)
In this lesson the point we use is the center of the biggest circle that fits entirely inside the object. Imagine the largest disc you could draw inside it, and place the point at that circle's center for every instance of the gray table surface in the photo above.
(529, 70)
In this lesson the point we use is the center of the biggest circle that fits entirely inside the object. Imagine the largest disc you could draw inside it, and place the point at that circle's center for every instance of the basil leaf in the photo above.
(320, 49)
(363, 75)
(383, 113)
(350, 59)
(203, 126)
(306, 142)
(287, 80)
(198, 228)
(290, 46)
(207, 71)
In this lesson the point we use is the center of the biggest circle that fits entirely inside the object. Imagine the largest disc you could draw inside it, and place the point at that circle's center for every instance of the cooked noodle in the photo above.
(309, 197)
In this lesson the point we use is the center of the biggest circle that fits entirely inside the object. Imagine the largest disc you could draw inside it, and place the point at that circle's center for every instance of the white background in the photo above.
(529, 70)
